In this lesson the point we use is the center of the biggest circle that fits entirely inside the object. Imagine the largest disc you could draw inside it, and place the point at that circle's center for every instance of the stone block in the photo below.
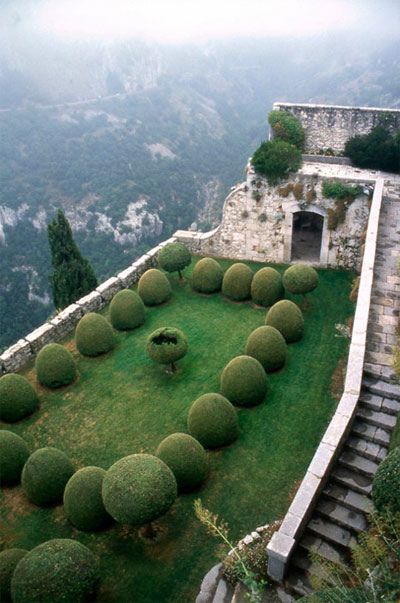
(44, 334)
(303, 503)
(354, 369)
(91, 302)
(66, 320)
(322, 460)
(109, 288)
(129, 276)
(337, 430)
(279, 551)
(347, 405)
(16, 357)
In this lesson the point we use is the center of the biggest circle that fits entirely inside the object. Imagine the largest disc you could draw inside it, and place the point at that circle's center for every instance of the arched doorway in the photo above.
(306, 236)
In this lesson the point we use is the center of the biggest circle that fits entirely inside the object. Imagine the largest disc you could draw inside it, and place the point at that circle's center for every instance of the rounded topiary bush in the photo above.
(174, 257)
(18, 399)
(94, 335)
(236, 283)
(266, 287)
(13, 455)
(138, 489)
(186, 458)
(300, 279)
(207, 276)
(126, 310)
(268, 346)
(55, 366)
(9, 560)
(83, 502)
(167, 345)
(243, 381)
(213, 421)
(154, 288)
(386, 484)
(57, 571)
(45, 475)
(287, 318)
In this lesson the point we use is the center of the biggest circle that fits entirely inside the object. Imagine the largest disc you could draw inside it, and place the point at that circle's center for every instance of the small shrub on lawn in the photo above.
(300, 279)
(236, 284)
(167, 345)
(207, 276)
(243, 381)
(13, 455)
(45, 475)
(386, 484)
(213, 421)
(287, 318)
(55, 366)
(268, 346)
(59, 570)
(18, 399)
(266, 287)
(174, 257)
(186, 458)
(276, 159)
(287, 127)
(83, 502)
(94, 335)
(9, 560)
(154, 288)
(126, 310)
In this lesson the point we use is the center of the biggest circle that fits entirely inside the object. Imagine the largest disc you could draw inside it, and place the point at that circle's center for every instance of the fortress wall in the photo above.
(330, 126)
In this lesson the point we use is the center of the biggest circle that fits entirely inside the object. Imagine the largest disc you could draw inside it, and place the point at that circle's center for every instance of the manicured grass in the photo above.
(123, 403)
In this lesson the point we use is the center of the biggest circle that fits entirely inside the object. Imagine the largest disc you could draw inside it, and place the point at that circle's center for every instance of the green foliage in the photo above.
(276, 159)
(55, 366)
(72, 276)
(386, 484)
(243, 381)
(154, 288)
(236, 283)
(336, 189)
(378, 150)
(9, 559)
(174, 257)
(207, 276)
(287, 318)
(138, 489)
(167, 345)
(13, 455)
(59, 570)
(83, 502)
(127, 310)
(186, 458)
(287, 127)
(213, 421)
(300, 279)
(18, 399)
(268, 346)
(45, 475)
(266, 287)
(94, 335)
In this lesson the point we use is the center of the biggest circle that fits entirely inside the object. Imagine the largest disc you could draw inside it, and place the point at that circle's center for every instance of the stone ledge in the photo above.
(65, 321)
(16, 356)
(41, 336)
(109, 288)
(91, 302)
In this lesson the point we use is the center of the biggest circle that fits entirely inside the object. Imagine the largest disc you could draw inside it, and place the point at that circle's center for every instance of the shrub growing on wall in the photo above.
(59, 570)
(45, 475)
(13, 455)
(94, 335)
(287, 318)
(186, 458)
(243, 381)
(266, 287)
(154, 287)
(386, 484)
(207, 276)
(236, 283)
(276, 159)
(18, 399)
(300, 279)
(126, 310)
(83, 502)
(166, 346)
(213, 421)
(268, 346)
(174, 257)
(287, 127)
(378, 150)
(55, 366)
(9, 560)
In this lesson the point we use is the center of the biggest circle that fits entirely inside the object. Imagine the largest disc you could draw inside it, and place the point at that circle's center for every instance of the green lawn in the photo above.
(122, 403)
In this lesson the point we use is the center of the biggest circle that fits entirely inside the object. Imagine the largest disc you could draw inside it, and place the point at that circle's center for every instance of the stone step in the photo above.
(224, 592)
(312, 544)
(391, 406)
(298, 583)
(357, 463)
(367, 449)
(378, 403)
(382, 388)
(330, 531)
(379, 419)
(351, 520)
(350, 479)
(370, 432)
(378, 371)
(348, 498)
(209, 584)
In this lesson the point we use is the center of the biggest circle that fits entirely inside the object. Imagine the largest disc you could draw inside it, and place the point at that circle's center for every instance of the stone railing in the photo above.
(23, 352)
(283, 542)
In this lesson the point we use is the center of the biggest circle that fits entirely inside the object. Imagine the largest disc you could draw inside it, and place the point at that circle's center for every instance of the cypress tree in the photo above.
(73, 276)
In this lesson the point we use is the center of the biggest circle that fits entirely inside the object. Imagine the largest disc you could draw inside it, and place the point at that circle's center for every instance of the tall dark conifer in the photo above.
(73, 276)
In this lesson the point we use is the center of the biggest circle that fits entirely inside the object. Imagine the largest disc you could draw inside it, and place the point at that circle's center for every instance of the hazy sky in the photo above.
(185, 20)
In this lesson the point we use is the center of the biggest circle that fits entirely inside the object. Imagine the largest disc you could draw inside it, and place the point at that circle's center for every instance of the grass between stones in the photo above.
(123, 403)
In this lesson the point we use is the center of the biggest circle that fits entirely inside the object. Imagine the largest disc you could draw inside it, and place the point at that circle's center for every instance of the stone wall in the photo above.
(330, 126)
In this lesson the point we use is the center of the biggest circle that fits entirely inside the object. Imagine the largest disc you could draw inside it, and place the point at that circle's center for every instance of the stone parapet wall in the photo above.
(57, 328)
(331, 126)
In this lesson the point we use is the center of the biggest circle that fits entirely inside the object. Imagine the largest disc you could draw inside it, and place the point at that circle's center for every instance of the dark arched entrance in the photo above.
(307, 236)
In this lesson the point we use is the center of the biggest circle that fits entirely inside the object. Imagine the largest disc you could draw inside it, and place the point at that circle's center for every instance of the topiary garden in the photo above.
(243, 381)
(94, 335)
(207, 276)
(55, 366)
(236, 283)
(154, 287)
(127, 310)
(83, 502)
(266, 287)
(287, 318)
(45, 475)
(18, 399)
